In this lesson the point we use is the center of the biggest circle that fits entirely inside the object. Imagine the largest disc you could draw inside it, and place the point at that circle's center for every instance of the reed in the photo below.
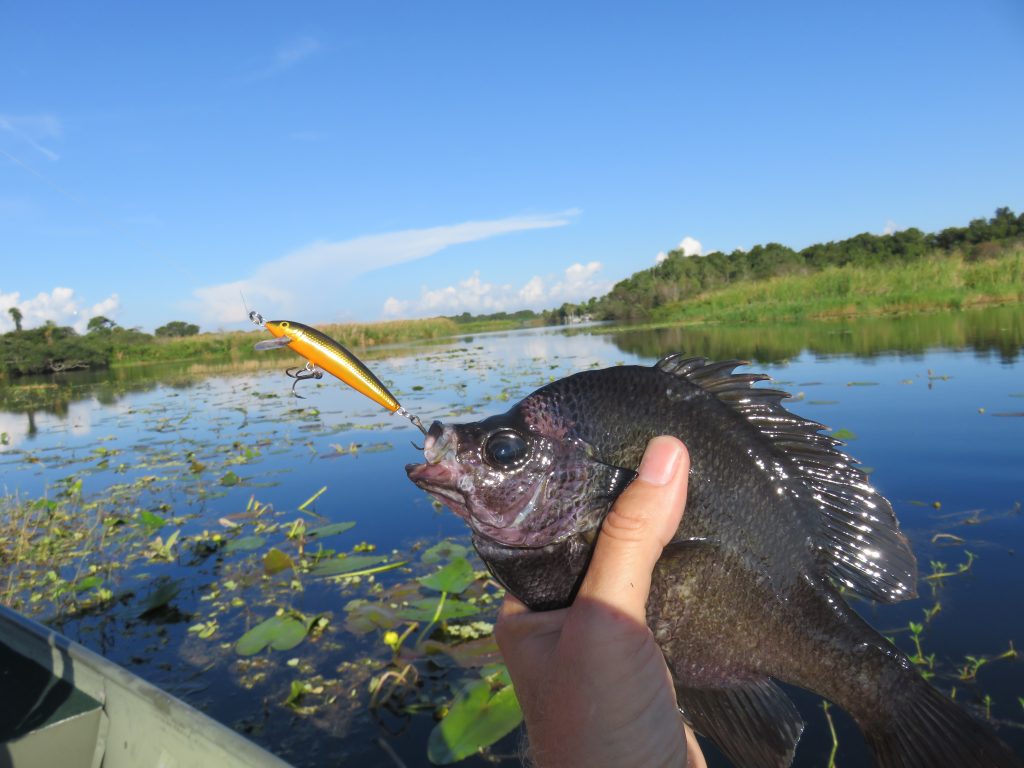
(237, 346)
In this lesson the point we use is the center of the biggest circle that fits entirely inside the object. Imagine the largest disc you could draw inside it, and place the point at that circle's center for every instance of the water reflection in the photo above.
(998, 331)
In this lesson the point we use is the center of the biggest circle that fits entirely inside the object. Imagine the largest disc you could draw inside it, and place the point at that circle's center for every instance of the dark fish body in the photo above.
(776, 517)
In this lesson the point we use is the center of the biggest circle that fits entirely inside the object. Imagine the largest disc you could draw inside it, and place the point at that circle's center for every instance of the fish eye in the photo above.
(504, 449)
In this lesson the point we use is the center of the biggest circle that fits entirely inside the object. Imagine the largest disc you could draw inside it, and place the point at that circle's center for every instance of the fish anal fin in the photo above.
(752, 721)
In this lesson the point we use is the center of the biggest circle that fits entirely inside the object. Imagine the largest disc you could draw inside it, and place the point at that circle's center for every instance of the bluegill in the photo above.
(778, 519)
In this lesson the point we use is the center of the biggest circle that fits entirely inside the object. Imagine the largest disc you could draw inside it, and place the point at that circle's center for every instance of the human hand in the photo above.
(592, 683)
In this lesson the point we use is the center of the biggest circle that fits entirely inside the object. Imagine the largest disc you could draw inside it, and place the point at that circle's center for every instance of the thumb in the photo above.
(642, 521)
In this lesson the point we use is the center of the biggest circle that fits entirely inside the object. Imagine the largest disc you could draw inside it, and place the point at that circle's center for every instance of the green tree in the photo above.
(177, 328)
(16, 316)
(100, 323)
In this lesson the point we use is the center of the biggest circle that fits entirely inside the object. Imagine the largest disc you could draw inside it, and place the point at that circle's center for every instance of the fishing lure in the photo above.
(323, 353)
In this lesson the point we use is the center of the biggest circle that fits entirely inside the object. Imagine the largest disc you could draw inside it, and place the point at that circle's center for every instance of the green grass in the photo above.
(238, 346)
(932, 284)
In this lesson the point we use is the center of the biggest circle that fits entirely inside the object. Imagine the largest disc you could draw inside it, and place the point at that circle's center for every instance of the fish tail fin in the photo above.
(928, 729)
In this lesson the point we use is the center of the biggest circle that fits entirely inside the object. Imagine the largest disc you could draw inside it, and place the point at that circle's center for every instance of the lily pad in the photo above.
(473, 653)
(476, 719)
(364, 616)
(276, 561)
(245, 544)
(444, 550)
(89, 582)
(161, 595)
(452, 578)
(329, 530)
(338, 566)
(150, 520)
(423, 610)
(229, 479)
(278, 632)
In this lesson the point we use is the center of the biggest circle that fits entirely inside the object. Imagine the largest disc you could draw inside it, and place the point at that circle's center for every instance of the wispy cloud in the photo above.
(321, 269)
(287, 56)
(60, 305)
(33, 130)
(576, 283)
(295, 51)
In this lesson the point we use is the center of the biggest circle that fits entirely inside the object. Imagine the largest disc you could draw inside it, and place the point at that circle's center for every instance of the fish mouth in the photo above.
(438, 476)
(440, 482)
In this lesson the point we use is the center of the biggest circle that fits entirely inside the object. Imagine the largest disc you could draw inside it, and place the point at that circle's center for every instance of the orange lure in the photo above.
(325, 354)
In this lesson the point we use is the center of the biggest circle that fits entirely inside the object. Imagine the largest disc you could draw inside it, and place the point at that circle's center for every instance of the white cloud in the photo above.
(690, 246)
(59, 305)
(394, 307)
(283, 286)
(890, 227)
(33, 130)
(577, 283)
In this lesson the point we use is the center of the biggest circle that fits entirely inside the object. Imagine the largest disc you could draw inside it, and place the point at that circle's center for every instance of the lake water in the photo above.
(933, 405)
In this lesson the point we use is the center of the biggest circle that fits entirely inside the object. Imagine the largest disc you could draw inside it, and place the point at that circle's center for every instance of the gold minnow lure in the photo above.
(323, 353)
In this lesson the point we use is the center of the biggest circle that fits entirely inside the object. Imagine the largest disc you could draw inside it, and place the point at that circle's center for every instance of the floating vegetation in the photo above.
(280, 632)
(940, 571)
(187, 521)
(844, 434)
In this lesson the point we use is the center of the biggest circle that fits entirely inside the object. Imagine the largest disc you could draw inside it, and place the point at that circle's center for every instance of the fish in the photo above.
(747, 594)
(324, 353)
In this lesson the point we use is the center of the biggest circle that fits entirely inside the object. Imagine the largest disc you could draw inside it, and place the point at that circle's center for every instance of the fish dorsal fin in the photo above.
(856, 530)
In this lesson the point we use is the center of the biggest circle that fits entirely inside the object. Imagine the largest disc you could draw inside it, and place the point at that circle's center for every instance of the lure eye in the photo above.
(284, 324)
(504, 449)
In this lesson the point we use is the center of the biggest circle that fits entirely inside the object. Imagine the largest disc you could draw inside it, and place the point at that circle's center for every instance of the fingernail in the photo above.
(660, 461)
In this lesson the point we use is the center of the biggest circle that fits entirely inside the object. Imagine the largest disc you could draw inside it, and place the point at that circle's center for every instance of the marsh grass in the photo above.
(51, 551)
(237, 346)
(941, 282)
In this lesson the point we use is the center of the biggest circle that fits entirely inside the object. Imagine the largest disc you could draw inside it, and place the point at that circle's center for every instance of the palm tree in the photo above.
(16, 317)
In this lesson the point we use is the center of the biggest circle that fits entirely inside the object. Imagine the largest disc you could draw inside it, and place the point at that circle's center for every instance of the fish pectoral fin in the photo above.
(613, 480)
(275, 343)
(752, 721)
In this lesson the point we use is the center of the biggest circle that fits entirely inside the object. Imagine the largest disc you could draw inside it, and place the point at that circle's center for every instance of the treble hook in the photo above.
(310, 371)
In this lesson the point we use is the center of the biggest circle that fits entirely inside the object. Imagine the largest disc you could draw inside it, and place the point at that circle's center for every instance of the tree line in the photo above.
(53, 348)
(680, 277)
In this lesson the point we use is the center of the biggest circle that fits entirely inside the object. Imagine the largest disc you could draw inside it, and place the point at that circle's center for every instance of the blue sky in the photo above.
(361, 161)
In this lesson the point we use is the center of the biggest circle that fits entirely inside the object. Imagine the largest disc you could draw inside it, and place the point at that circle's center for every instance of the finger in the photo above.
(517, 623)
(512, 606)
(640, 524)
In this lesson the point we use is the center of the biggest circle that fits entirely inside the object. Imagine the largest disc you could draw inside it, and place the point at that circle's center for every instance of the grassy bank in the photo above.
(939, 282)
(237, 346)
